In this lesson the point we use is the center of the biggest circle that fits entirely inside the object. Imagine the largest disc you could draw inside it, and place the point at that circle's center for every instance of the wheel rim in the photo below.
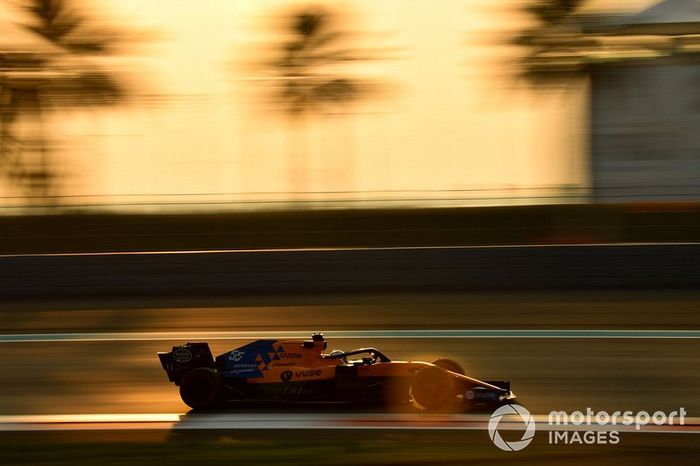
(432, 389)
(200, 391)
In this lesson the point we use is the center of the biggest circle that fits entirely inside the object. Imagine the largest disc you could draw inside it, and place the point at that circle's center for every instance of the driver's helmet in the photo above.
(336, 352)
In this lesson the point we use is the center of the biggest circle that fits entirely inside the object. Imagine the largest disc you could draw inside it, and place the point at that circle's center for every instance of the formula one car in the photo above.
(300, 371)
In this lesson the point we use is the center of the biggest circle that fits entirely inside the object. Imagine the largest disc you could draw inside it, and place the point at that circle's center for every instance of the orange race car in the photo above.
(300, 371)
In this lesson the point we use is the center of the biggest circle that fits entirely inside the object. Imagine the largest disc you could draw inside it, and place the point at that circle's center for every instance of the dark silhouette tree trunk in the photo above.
(298, 161)
(308, 88)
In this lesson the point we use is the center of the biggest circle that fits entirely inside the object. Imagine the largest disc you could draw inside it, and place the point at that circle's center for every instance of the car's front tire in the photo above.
(432, 389)
(202, 388)
(450, 365)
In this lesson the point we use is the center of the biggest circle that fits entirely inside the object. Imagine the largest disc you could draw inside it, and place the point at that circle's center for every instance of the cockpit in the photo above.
(373, 356)
(369, 355)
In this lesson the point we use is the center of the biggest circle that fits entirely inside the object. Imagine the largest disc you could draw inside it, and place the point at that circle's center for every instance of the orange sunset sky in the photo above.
(200, 120)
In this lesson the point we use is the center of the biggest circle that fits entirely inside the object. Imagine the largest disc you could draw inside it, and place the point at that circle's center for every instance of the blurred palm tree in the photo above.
(308, 81)
(17, 91)
(554, 44)
(57, 72)
(555, 57)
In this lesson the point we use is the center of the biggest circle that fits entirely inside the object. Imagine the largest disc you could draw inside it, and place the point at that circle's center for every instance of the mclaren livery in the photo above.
(301, 371)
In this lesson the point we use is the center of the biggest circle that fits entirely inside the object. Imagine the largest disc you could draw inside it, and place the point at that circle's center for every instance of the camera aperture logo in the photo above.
(578, 427)
(509, 410)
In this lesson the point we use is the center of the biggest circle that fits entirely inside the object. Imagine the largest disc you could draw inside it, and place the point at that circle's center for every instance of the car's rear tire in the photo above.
(202, 388)
(432, 389)
(450, 365)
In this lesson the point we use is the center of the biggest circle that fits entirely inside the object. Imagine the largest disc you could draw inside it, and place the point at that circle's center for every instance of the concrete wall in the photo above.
(644, 128)
(398, 269)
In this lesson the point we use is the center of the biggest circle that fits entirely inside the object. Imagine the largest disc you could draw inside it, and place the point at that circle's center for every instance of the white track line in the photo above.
(281, 421)
(345, 334)
(331, 249)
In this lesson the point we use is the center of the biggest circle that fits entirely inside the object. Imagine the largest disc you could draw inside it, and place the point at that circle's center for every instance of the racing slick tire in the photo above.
(450, 365)
(202, 388)
(432, 389)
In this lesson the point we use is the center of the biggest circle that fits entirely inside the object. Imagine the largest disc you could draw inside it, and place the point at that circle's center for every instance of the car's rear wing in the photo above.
(166, 360)
(184, 358)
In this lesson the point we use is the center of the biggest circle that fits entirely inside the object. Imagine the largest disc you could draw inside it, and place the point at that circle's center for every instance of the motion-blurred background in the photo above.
(174, 169)
(248, 104)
